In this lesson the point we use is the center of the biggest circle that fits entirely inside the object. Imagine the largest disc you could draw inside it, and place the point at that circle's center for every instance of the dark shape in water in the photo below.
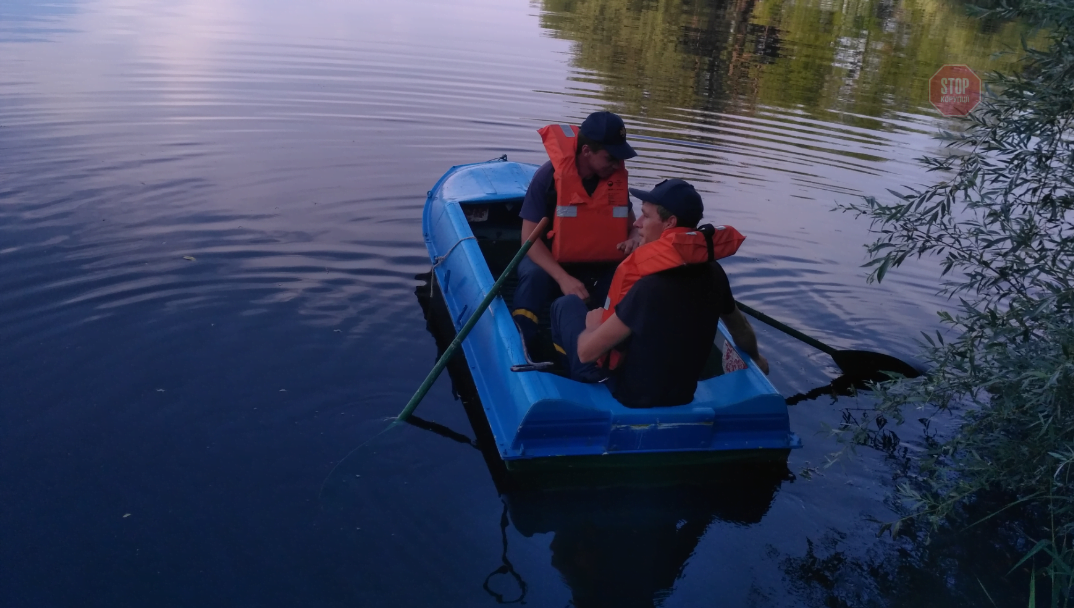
(621, 535)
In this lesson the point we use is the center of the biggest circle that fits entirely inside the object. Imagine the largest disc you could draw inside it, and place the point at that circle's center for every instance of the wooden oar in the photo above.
(450, 350)
(861, 364)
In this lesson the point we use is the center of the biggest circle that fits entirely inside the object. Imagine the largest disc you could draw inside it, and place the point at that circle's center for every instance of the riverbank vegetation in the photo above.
(1001, 223)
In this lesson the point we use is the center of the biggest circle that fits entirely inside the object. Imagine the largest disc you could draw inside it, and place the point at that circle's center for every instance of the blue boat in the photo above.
(472, 229)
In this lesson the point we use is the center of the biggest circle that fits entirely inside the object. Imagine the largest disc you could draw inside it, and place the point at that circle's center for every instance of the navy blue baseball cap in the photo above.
(608, 129)
(678, 197)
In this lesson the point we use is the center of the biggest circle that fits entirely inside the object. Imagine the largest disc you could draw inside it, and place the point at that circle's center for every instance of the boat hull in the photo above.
(535, 415)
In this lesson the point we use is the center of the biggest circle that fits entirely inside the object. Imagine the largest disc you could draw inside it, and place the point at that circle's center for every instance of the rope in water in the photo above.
(505, 568)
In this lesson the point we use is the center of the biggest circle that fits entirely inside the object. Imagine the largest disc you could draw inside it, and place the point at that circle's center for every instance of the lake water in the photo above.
(209, 237)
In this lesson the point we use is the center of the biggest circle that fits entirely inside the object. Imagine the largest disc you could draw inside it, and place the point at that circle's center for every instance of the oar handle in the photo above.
(790, 331)
(470, 323)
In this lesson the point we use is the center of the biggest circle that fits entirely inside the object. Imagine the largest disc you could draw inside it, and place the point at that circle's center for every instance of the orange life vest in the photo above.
(586, 228)
(675, 247)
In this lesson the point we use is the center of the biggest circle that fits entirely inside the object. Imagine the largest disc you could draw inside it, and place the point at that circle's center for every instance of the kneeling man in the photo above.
(652, 339)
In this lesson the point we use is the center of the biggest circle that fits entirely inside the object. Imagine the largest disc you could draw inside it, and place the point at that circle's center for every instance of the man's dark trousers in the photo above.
(536, 288)
(568, 322)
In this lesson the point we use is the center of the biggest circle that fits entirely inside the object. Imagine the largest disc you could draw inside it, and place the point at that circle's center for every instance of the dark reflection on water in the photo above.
(621, 537)
(628, 547)
(209, 231)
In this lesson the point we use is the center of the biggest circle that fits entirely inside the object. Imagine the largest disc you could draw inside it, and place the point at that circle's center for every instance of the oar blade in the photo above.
(870, 366)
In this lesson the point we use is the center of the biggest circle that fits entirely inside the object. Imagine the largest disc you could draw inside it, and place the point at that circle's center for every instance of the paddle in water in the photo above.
(859, 364)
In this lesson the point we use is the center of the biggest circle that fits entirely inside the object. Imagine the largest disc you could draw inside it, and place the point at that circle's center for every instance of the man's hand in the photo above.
(599, 338)
(594, 318)
(570, 285)
(761, 363)
(742, 333)
(628, 246)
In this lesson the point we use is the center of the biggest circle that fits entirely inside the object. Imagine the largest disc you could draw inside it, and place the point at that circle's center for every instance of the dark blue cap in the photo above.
(608, 129)
(678, 197)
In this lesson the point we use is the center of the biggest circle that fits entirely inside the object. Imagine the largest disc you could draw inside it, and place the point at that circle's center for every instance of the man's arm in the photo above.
(599, 338)
(541, 256)
(742, 333)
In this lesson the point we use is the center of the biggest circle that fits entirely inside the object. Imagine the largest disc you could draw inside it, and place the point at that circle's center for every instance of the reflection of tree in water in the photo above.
(867, 57)
(621, 536)
(657, 55)
(833, 572)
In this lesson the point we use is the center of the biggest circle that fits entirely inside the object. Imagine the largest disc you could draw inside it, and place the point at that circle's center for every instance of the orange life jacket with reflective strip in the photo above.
(675, 247)
(585, 228)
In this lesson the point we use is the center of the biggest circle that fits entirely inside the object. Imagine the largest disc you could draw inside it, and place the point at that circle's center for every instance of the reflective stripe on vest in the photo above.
(585, 228)
(675, 247)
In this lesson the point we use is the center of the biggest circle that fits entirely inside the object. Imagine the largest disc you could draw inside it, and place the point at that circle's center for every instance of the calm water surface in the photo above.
(209, 236)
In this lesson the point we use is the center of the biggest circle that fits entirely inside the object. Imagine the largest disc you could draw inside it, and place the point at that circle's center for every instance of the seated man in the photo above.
(582, 189)
(653, 338)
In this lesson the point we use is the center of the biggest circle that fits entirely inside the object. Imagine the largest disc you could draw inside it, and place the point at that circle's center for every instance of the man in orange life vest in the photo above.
(652, 340)
(583, 190)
